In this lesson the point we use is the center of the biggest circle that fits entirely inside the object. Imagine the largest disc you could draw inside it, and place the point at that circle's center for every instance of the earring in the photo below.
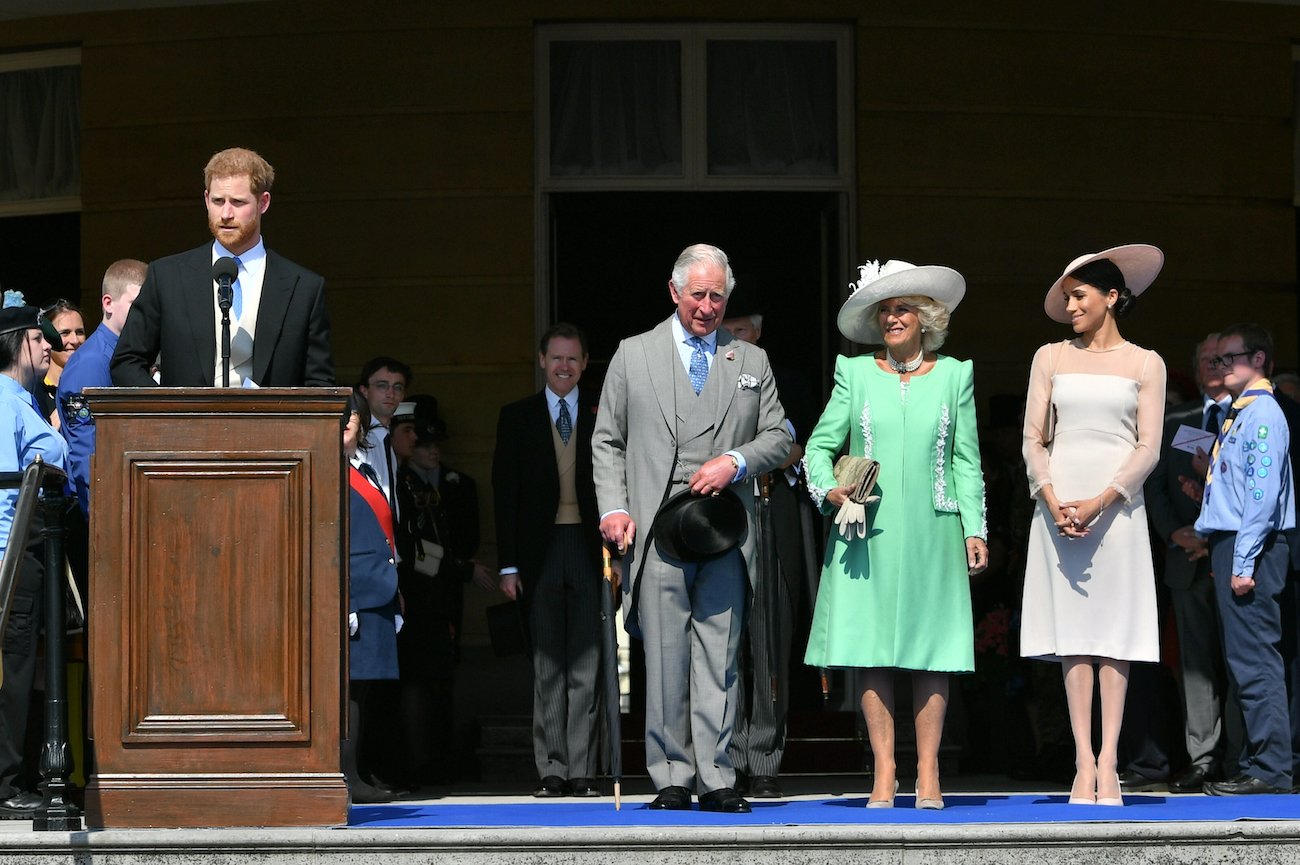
(1110, 306)
(925, 330)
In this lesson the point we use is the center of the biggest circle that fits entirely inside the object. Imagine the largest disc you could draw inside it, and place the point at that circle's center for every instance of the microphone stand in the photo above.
(224, 297)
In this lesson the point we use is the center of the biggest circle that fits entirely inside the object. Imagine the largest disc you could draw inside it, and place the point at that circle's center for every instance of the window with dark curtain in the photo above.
(40, 133)
(771, 108)
(616, 108)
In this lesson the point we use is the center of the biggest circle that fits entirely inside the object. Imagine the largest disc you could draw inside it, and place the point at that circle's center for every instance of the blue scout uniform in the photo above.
(88, 367)
(1249, 503)
(23, 435)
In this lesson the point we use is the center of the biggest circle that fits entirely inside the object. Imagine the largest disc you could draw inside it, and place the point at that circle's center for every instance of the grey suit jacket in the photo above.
(1169, 508)
(633, 442)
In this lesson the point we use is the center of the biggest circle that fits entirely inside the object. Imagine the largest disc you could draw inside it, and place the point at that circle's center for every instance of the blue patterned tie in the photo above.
(699, 364)
(564, 423)
(237, 294)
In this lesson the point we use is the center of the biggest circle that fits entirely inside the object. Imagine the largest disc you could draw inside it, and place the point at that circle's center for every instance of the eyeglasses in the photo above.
(386, 386)
(1224, 361)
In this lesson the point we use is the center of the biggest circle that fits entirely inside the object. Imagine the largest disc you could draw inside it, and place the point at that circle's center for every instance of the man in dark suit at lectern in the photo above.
(548, 549)
(279, 330)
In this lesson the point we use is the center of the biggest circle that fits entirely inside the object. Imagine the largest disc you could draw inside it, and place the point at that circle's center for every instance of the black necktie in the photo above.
(1213, 418)
(392, 475)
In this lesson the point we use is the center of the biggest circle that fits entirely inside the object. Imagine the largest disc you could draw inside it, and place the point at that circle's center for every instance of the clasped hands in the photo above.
(1074, 518)
(1190, 543)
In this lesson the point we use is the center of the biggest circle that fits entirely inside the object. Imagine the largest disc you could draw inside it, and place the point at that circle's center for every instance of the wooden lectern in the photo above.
(217, 607)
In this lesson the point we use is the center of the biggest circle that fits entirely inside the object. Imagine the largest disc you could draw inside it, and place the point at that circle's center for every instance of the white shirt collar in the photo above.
(680, 334)
(553, 399)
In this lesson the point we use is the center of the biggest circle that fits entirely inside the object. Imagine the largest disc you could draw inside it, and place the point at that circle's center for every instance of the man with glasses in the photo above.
(279, 330)
(382, 384)
(1248, 506)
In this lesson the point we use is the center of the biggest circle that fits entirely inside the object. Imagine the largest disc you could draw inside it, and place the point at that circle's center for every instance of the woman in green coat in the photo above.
(895, 591)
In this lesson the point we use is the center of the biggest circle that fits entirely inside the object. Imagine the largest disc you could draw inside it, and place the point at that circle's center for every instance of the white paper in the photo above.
(1190, 439)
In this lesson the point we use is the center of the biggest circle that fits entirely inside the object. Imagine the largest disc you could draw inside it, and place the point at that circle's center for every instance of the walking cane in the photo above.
(609, 663)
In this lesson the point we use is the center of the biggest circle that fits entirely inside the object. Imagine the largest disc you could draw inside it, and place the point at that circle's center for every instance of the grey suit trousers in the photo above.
(564, 620)
(692, 616)
(1213, 728)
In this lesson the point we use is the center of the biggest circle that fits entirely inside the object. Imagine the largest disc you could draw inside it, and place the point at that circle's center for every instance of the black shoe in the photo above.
(726, 800)
(583, 788)
(1242, 785)
(1136, 782)
(1191, 780)
(672, 799)
(20, 806)
(367, 794)
(550, 787)
(742, 783)
(764, 787)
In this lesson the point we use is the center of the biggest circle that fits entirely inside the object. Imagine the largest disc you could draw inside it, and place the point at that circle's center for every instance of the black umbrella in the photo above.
(767, 598)
(609, 665)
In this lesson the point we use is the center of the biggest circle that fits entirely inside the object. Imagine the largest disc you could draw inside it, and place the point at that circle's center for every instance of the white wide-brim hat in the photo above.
(1140, 263)
(895, 278)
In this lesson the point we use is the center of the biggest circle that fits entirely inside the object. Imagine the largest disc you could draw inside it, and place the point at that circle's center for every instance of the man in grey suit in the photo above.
(1204, 682)
(686, 405)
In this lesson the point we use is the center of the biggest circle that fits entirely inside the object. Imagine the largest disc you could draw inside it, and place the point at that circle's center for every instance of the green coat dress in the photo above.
(901, 596)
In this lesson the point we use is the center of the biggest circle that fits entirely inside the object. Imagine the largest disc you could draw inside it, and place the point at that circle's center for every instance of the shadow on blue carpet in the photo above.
(837, 811)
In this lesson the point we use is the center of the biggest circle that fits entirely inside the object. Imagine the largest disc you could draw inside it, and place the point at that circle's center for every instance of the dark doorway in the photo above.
(41, 256)
(612, 254)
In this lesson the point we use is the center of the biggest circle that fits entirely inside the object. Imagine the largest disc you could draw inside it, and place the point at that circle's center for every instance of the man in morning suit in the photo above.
(1210, 724)
(548, 550)
(1247, 512)
(686, 405)
(279, 330)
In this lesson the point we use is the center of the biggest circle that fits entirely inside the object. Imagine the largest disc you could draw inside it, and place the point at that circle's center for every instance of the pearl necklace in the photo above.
(905, 366)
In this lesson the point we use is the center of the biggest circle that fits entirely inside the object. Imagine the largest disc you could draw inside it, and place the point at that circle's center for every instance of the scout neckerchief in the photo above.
(1263, 386)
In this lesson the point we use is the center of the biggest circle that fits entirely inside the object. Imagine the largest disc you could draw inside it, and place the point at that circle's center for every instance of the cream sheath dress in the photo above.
(1093, 419)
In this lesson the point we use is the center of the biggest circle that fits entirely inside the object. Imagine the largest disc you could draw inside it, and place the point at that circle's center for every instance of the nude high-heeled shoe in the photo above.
(1082, 800)
(884, 803)
(1111, 800)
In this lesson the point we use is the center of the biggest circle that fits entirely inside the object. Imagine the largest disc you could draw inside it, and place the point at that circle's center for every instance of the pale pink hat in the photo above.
(1138, 262)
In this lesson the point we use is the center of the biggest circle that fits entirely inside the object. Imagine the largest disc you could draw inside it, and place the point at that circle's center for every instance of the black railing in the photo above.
(56, 813)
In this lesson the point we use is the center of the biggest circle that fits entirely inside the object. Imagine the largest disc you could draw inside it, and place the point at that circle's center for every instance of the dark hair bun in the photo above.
(1127, 300)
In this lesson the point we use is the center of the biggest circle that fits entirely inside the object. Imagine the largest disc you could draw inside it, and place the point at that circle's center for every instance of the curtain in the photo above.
(40, 133)
(771, 108)
(616, 108)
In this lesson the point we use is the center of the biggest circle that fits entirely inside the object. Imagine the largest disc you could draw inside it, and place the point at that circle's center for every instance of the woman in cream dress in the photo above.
(1093, 421)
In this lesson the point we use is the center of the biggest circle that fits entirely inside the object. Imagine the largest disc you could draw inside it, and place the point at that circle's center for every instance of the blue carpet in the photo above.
(821, 812)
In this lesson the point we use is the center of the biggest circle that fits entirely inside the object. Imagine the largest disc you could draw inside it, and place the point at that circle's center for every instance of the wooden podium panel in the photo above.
(217, 603)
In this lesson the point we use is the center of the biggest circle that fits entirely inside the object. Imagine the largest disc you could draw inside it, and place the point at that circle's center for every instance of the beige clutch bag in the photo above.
(860, 473)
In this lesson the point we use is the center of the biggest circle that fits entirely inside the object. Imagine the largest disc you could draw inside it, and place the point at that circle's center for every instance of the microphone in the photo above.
(225, 271)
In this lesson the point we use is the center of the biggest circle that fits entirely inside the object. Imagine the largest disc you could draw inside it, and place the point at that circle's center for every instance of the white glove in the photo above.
(851, 520)
(398, 621)
(354, 624)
